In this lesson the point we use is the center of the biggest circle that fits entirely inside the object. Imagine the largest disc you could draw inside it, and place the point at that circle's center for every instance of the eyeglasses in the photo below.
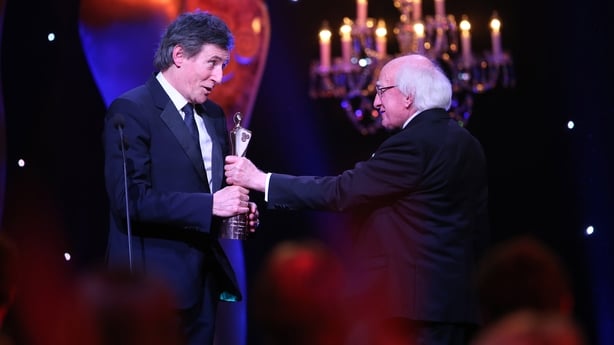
(381, 89)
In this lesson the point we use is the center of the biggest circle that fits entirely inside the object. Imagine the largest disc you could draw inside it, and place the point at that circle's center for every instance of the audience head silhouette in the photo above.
(298, 295)
(522, 273)
(525, 296)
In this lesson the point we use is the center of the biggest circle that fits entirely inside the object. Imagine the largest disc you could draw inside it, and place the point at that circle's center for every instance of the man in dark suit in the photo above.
(176, 194)
(420, 206)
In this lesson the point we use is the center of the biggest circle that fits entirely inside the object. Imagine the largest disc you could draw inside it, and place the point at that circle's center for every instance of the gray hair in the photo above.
(425, 81)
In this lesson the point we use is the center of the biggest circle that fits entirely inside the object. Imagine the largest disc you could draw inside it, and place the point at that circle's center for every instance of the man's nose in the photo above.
(217, 74)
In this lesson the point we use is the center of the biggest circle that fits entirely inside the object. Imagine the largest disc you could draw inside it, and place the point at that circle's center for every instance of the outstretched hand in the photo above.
(240, 171)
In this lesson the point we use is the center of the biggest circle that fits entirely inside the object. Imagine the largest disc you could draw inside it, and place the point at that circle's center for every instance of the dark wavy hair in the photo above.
(192, 30)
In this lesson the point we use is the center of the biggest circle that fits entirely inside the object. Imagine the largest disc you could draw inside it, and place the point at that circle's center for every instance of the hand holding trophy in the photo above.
(237, 227)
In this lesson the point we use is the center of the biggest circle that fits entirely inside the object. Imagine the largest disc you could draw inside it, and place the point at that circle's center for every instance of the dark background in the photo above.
(545, 179)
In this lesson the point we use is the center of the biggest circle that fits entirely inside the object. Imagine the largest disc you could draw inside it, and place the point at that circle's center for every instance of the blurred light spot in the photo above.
(21, 163)
(51, 37)
(364, 62)
(589, 230)
(67, 256)
(570, 124)
(257, 25)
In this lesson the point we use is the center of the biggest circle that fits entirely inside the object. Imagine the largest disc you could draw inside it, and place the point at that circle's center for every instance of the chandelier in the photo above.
(352, 76)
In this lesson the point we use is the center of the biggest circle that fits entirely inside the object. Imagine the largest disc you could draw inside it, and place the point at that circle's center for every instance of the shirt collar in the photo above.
(410, 118)
(178, 100)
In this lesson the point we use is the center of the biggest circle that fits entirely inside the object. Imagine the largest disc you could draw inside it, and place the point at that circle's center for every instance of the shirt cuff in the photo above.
(266, 187)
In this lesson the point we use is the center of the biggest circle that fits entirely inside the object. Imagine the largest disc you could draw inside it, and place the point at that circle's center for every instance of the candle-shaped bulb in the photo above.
(440, 10)
(325, 54)
(325, 33)
(345, 31)
(380, 38)
(419, 29)
(419, 32)
(346, 41)
(465, 26)
(381, 30)
(495, 24)
(417, 10)
(495, 35)
(361, 13)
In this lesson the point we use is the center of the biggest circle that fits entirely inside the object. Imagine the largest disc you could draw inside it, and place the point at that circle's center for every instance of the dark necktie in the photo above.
(188, 111)
(207, 149)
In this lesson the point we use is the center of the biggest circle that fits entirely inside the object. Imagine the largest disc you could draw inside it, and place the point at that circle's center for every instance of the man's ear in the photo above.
(408, 101)
(178, 55)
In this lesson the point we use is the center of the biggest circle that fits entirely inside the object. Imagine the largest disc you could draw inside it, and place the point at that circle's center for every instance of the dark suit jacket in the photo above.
(420, 207)
(173, 228)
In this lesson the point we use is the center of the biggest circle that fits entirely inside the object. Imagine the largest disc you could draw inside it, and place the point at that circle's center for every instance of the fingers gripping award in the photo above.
(237, 227)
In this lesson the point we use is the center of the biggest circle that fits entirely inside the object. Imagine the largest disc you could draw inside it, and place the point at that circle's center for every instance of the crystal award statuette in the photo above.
(236, 227)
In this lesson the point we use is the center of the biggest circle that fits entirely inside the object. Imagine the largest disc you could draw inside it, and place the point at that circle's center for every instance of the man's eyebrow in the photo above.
(217, 58)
